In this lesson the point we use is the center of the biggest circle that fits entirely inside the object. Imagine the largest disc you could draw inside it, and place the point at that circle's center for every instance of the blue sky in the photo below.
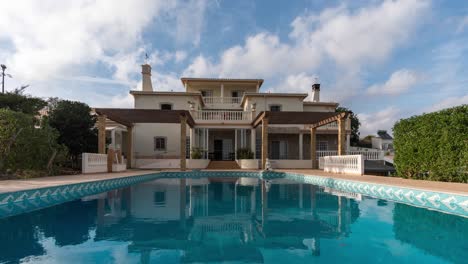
(383, 59)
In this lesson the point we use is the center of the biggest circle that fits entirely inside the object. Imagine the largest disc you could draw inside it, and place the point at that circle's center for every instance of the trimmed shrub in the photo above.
(244, 153)
(433, 146)
(196, 153)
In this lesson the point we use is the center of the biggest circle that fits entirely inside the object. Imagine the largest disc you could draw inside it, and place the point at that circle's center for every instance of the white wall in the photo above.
(143, 200)
(143, 139)
(263, 103)
(318, 108)
(179, 102)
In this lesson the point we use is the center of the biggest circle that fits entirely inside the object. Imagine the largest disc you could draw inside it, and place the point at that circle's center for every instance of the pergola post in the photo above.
(183, 140)
(341, 136)
(129, 146)
(313, 147)
(101, 134)
(264, 142)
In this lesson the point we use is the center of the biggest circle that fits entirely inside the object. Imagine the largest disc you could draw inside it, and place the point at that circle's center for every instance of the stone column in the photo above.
(222, 91)
(301, 146)
(113, 139)
(313, 147)
(101, 134)
(192, 138)
(129, 146)
(341, 136)
(264, 141)
(183, 139)
(253, 141)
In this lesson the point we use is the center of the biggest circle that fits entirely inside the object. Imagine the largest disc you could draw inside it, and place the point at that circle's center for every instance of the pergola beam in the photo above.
(329, 120)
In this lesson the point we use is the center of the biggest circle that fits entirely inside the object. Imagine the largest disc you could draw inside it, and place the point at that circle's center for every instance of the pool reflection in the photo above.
(215, 219)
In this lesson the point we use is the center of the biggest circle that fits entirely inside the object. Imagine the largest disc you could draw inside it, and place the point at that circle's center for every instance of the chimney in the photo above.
(316, 92)
(146, 76)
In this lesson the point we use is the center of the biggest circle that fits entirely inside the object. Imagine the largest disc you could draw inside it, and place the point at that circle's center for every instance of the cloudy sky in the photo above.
(383, 59)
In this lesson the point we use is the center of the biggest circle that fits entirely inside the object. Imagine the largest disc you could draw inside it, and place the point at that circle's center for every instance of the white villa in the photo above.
(212, 119)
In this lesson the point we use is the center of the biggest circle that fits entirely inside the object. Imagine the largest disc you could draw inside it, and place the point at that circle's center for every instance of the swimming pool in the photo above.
(231, 219)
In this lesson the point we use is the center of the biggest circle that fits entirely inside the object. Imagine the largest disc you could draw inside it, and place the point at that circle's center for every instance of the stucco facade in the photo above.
(223, 111)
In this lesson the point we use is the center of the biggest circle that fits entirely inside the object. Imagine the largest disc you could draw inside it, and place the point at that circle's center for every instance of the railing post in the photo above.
(361, 164)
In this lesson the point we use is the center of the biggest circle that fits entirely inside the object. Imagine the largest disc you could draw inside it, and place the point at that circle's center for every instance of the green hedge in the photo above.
(433, 146)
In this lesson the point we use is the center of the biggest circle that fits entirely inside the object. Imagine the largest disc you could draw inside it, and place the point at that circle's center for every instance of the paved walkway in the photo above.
(27, 184)
(18, 185)
(447, 187)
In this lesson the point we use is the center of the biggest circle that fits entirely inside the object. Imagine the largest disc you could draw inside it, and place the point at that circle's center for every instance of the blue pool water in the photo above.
(232, 220)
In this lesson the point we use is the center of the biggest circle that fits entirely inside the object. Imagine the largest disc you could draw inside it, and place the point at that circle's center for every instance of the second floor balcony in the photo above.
(222, 102)
(222, 116)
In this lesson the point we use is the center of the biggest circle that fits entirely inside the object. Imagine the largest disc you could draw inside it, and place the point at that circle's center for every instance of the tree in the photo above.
(19, 102)
(355, 124)
(75, 125)
(23, 145)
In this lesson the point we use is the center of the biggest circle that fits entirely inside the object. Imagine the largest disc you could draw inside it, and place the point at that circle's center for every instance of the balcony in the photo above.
(220, 116)
(222, 102)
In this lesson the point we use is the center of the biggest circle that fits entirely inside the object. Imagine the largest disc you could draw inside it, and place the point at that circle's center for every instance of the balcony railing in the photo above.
(222, 100)
(222, 116)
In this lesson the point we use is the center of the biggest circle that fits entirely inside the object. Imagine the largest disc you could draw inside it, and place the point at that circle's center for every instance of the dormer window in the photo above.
(166, 106)
(275, 108)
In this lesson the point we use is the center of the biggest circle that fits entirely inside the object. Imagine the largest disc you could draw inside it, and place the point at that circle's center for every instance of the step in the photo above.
(223, 165)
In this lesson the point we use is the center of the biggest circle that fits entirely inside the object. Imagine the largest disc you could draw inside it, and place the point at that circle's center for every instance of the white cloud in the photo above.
(296, 83)
(180, 56)
(347, 39)
(384, 119)
(448, 102)
(399, 82)
(50, 38)
(189, 18)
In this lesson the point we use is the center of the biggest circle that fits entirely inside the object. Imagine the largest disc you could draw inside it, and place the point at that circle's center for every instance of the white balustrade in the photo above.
(222, 100)
(220, 115)
(348, 164)
(368, 155)
(93, 163)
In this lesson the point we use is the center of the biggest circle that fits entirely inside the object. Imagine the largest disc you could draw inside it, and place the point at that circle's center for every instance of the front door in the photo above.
(218, 149)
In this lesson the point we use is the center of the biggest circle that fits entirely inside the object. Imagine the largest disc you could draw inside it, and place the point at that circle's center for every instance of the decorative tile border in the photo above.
(440, 201)
(23, 201)
(13, 203)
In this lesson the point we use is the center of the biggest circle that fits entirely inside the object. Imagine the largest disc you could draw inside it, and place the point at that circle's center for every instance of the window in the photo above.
(159, 198)
(275, 108)
(322, 145)
(207, 93)
(237, 93)
(166, 106)
(159, 143)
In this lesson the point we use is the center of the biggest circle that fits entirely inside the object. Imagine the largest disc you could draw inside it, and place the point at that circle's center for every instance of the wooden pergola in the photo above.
(128, 117)
(311, 119)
